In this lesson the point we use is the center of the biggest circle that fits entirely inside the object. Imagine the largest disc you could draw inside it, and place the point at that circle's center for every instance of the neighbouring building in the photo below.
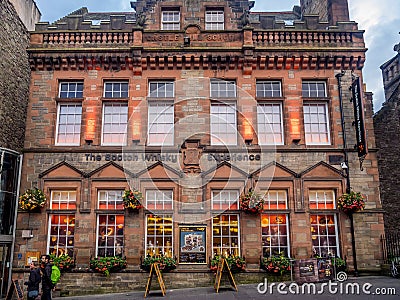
(194, 103)
(387, 128)
(14, 95)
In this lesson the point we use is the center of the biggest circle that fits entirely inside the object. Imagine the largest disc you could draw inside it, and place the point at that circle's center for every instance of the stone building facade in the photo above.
(386, 123)
(195, 103)
(14, 95)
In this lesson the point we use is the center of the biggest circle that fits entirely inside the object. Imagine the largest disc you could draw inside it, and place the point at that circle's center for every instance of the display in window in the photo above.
(192, 248)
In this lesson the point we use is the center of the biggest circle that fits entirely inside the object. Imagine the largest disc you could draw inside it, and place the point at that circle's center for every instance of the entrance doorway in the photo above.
(5, 257)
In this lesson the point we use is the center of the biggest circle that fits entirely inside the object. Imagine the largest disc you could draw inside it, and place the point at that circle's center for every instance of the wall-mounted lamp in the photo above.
(186, 41)
(343, 165)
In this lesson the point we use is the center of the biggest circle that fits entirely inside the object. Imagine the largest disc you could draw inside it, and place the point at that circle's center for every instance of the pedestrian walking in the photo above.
(33, 281)
(47, 284)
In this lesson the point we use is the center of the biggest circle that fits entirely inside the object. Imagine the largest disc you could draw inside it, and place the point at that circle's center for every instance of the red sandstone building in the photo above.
(193, 103)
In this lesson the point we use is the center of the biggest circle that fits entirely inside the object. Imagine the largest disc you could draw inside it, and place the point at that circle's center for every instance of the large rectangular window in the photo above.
(316, 123)
(170, 20)
(161, 124)
(69, 117)
(70, 90)
(159, 199)
(223, 124)
(116, 89)
(226, 199)
(110, 235)
(61, 234)
(324, 234)
(215, 19)
(110, 199)
(275, 234)
(161, 89)
(314, 89)
(268, 89)
(226, 235)
(115, 120)
(159, 235)
(269, 124)
(63, 200)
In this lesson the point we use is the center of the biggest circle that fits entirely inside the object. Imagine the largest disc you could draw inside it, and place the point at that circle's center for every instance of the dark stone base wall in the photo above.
(14, 77)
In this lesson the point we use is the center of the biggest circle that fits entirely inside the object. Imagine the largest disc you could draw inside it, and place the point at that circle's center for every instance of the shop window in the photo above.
(275, 234)
(322, 199)
(110, 200)
(170, 20)
(316, 123)
(324, 235)
(115, 120)
(275, 199)
(159, 235)
(159, 199)
(269, 124)
(268, 89)
(223, 124)
(69, 117)
(226, 199)
(110, 235)
(61, 234)
(226, 235)
(63, 200)
(116, 89)
(161, 89)
(314, 89)
(215, 19)
(70, 90)
(161, 124)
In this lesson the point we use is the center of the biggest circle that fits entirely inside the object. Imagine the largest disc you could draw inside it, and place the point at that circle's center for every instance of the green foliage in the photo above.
(32, 199)
(64, 262)
(251, 203)
(107, 265)
(132, 199)
(351, 202)
(278, 264)
(164, 263)
(235, 263)
(338, 262)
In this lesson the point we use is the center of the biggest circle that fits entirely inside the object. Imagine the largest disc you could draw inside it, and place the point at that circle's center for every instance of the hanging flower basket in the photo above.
(132, 199)
(351, 202)
(32, 199)
(251, 203)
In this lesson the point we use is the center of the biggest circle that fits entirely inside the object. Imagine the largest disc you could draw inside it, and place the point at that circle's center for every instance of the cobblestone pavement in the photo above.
(368, 287)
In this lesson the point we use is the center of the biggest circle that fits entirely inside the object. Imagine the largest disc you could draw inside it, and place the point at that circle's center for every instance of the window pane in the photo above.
(161, 124)
(116, 89)
(223, 124)
(214, 20)
(269, 124)
(226, 236)
(159, 199)
(275, 234)
(115, 119)
(316, 123)
(226, 199)
(71, 90)
(159, 237)
(69, 124)
(63, 200)
(322, 199)
(61, 238)
(324, 234)
(110, 235)
(110, 199)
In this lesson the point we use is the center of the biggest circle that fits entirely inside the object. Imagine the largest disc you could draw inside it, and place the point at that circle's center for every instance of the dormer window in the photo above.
(170, 19)
(215, 19)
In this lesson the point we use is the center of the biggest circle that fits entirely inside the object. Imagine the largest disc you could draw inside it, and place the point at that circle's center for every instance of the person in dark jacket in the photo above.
(47, 285)
(33, 282)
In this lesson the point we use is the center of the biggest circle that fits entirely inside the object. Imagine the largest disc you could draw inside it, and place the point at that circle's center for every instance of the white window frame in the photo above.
(162, 89)
(266, 89)
(273, 198)
(114, 234)
(163, 202)
(319, 227)
(170, 24)
(112, 200)
(122, 123)
(313, 136)
(270, 129)
(312, 89)
(76, 117)
(72, 89)
(223, 131)
(321, 199)
(215, 19)
(224, 198)
(225, 89)
(160, 124)
(269, 235)
(116, 93)
(230, 248)
(161, 249)
(68, 234)
(70, 199)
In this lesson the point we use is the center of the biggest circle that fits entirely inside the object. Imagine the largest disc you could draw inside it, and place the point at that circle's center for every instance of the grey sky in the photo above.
(379, 18)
